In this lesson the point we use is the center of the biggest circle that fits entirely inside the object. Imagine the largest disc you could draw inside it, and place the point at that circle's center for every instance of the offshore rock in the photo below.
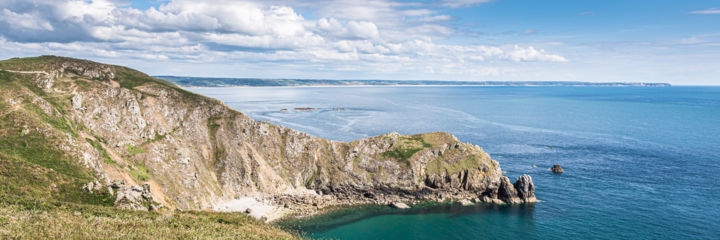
(525, 188)
(556, 168)
(507, 191)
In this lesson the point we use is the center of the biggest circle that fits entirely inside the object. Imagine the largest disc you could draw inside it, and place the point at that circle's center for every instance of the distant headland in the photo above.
(268, 82)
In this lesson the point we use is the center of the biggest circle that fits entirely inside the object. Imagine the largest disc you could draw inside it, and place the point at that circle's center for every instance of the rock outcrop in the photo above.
(525, 188)
(557, 168)
(196, 152)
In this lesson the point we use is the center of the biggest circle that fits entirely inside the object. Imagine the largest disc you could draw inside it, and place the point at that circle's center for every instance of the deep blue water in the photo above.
(640, 163)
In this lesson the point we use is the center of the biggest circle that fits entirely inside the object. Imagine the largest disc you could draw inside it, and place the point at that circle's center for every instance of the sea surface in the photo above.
(640, 163)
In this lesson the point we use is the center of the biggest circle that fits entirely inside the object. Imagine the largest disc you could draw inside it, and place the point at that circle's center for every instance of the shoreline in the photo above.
(342, 215)
(423, 85)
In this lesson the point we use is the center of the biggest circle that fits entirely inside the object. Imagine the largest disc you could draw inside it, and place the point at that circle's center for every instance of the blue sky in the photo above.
(505, 40)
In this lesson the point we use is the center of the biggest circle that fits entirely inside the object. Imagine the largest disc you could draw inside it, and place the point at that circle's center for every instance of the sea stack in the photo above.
(556, 168)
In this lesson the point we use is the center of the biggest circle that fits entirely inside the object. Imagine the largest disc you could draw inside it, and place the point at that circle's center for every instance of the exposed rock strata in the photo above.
(199, 152)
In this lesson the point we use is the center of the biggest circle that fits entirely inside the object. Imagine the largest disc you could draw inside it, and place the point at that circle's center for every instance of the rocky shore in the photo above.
(183, 151)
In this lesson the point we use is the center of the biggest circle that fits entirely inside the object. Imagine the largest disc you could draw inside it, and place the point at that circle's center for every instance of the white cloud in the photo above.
(417, 12)
(24, 21)
(529, 54)
(365, 30)
(707, 11)
(375, 36)
(436, 18)
(463, 3)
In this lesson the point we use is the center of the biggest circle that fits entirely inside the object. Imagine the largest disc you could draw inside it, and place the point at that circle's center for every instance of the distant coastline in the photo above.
(191, 82)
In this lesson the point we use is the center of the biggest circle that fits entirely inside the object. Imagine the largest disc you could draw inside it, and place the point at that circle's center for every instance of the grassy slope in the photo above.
(40, 184)
(33, 219)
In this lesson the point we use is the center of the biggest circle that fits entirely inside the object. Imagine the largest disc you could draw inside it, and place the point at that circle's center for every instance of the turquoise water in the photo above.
(640, 163)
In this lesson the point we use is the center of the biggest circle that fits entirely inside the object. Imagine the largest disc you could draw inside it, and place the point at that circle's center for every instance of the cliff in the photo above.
(117, 136)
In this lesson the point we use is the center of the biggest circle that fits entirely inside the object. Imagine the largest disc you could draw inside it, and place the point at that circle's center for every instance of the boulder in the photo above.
(465, 202)
(399, 205)
(92, 186)
(556, 168)
(136, 198)
(117, 183)
(88, 187)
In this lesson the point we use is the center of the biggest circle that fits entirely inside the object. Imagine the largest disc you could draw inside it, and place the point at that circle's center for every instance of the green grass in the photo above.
(405, 148)
(438, 165)
(41, 194)
(40, 150)
(22, 218)
(219, 151)
(140, 173)
(315, 175)
(105, 156)
(134, 150)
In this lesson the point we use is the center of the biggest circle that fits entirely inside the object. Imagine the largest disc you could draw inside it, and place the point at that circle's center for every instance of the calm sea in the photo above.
(640, 163)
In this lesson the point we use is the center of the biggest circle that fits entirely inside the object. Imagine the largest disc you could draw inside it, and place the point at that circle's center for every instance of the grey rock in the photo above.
(525, 188)
(507, 192)
(117, 183)
(136, 198)
(88, 187)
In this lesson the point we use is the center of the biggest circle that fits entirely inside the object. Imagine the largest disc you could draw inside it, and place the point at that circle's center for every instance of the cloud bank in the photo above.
(378, 35)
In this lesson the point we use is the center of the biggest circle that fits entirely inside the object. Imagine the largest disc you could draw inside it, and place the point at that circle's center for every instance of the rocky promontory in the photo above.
(180, 150)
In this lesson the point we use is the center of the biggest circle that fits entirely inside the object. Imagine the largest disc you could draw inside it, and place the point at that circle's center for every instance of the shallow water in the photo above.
(640, 163)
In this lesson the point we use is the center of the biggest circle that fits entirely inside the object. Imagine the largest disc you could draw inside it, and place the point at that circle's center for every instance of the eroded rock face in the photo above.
(507, 191)
(525, 188)
(200, 152)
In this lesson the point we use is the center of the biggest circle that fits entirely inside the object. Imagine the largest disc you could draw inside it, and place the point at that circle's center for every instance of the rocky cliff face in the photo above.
(193, 152)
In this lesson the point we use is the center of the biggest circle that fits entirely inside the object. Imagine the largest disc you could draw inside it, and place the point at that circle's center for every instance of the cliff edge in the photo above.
(139, 142)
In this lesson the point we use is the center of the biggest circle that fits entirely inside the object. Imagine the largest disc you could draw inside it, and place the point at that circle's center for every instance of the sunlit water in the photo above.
(640, 163)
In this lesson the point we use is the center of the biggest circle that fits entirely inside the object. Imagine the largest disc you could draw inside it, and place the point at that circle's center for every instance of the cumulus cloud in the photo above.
(376, 35)
(529, 54)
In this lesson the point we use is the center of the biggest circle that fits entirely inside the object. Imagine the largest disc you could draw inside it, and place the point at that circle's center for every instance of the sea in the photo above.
(640, 162)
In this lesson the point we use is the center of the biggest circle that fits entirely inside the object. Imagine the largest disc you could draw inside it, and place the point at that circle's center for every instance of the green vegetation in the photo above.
(134, 150)
(439, 165)
(315, 175)
(47, 219)
(41, 181)
(357, 160)
(218, 150)
(130, 80)
(406, 147)
(140, 173)
(101, 150)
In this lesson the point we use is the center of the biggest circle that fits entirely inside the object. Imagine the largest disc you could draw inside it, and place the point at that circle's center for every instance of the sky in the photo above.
(669, 41)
